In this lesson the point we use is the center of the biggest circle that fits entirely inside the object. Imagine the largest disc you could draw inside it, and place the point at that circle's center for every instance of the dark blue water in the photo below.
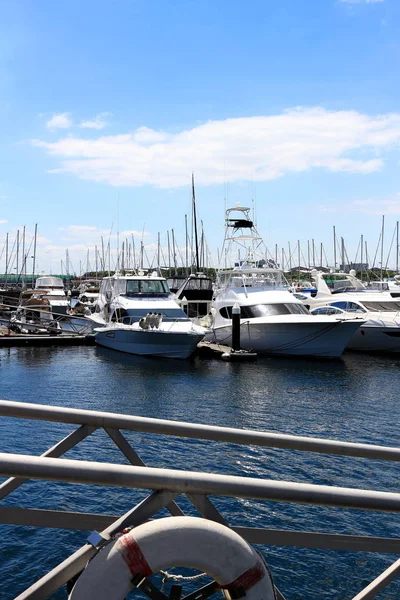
(355, 399)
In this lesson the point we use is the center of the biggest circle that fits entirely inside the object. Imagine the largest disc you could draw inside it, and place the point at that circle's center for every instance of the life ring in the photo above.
(176, 542)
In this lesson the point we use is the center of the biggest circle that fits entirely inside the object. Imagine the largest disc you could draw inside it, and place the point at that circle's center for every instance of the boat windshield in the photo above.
(256, 278)
(265, 310)
(144, 287)
(342, 283)
(49, 283)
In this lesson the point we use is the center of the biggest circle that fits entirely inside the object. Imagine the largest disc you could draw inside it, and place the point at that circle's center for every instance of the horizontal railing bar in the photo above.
(326, 541)
(380, 582)
(57, 519)
(191, 482)
(72, 565)
(29, 517)
(55, 451)
(191, 430)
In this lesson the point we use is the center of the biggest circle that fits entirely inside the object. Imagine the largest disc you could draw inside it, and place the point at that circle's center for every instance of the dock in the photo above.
(17, 340)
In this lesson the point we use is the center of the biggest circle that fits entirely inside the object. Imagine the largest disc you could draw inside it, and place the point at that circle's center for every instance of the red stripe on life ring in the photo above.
(246, 580)
(133, 556)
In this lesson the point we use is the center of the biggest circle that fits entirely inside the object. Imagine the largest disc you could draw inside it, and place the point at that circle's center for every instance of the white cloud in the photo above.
(61, 121)
(370, 206)
(3, 198)
(254, 148)
(98, 122)
(3, 221)
(92, 235)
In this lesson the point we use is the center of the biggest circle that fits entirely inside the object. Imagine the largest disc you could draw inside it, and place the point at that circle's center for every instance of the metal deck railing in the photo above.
(168, 484)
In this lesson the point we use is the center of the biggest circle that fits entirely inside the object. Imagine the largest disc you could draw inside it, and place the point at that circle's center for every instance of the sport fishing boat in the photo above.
(138, 315)
(342, 293)
(272, 320)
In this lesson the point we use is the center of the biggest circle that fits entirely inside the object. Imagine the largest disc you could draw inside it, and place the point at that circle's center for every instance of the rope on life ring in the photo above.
(176, 542)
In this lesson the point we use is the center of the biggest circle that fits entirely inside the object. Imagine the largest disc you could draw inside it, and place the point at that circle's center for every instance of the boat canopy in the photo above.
(49, 283)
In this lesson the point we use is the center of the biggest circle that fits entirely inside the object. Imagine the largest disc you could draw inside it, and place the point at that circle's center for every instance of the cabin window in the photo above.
(327, 310)
(382, 306)
(146, 287)
(349, 306)
(265, 310)
(119, 286)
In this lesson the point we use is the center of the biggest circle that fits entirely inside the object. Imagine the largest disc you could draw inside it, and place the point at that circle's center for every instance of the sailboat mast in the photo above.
(169, 255)
(334, 247)
(158, 253)
(195, 225)
(382, 234)
(362, 254)
(6, 259)
(397, 246)
(23, 257)
(298, 252)
(17, 270)
(186, 248)
(34, 258)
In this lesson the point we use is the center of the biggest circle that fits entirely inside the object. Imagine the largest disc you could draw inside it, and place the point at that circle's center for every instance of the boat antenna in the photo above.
(195, 225)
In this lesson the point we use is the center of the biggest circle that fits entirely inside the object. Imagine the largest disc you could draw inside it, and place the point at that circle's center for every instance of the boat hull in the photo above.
(149, 343)
(376, 339)
(327, 340)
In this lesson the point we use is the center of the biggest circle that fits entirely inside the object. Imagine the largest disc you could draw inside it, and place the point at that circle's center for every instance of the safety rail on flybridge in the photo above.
(167, 485)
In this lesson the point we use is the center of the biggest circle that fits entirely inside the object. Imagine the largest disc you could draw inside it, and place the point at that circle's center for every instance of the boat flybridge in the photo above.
(53, 289)
(138, 315)
(273, 320)
(343, 293)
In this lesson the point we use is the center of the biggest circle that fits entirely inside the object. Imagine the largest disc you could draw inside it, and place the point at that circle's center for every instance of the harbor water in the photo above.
(353, 399)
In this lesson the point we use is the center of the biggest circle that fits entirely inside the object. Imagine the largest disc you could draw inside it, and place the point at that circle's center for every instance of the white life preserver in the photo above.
(176, 542)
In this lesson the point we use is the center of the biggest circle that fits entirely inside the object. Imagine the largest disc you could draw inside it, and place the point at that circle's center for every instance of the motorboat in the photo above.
(53, 287)
(34, 315)
(343, 293)
(272, 320)
(168, 340)
(126, 298)
(137, 314)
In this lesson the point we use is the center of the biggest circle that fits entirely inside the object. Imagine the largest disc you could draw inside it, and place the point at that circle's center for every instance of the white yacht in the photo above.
(53, 288)
(343, 293)
(273, 321)
(138, 315)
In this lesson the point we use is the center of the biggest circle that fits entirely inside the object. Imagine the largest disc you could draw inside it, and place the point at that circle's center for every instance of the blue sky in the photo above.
(106, 108)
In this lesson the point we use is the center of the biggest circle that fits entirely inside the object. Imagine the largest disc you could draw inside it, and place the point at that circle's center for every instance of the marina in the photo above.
(199, 300)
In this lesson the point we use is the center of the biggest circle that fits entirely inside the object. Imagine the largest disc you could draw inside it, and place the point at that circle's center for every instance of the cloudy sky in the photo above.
(106, 108)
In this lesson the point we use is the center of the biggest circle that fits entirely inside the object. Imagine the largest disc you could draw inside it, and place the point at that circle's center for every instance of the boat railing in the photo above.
(168, 486)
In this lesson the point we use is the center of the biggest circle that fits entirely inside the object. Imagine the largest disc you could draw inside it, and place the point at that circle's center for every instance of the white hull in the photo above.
(155, 342)
(302, 338)
(370, 338)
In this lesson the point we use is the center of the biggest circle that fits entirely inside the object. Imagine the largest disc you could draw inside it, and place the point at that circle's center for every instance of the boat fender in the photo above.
(176, 542)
